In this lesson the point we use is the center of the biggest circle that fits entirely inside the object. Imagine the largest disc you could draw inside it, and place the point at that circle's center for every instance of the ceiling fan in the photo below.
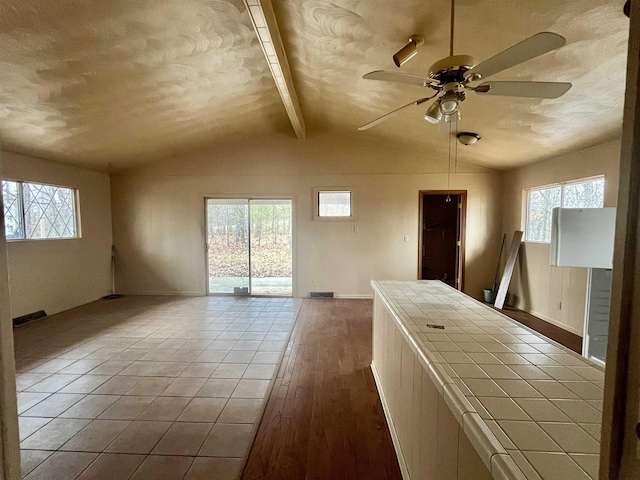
(450, 77)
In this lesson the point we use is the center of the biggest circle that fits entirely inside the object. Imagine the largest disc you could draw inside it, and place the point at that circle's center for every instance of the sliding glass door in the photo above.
(270, 249)
(249, 246)
(228, 245)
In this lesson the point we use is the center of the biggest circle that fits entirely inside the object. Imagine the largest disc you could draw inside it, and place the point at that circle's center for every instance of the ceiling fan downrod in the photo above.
(453, 16)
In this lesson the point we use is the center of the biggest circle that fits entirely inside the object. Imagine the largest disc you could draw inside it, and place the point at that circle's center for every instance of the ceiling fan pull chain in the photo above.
(448, 199)
(455, 151)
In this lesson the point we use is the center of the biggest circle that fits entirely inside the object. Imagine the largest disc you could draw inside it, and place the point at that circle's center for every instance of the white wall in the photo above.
(55, 275)
(556, 294)
(158, 212)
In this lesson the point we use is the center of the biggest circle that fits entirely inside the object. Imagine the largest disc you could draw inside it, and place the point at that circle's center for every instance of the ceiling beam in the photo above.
(264, 22)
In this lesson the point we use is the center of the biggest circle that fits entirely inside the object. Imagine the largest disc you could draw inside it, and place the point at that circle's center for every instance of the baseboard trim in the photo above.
(552, 321)
(354, 296)
(404, 470)
(167, 293)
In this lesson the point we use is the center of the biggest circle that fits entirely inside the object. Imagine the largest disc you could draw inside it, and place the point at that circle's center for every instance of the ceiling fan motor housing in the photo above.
(451, 69)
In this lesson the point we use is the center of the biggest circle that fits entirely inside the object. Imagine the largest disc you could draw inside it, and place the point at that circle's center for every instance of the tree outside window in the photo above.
(541, 201)
(36, 211)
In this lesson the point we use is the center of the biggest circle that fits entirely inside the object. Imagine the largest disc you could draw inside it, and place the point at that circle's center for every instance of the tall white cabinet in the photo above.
(596, 324)
(583, 237)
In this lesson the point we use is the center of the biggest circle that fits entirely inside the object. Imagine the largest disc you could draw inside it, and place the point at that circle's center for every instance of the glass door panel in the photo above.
(270, 247)
(228, 246)
(249, 246)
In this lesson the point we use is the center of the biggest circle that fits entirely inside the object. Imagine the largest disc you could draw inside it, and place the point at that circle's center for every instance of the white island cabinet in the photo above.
(470, 394)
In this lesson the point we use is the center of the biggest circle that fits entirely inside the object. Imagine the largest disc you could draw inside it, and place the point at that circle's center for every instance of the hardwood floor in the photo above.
(324, 419)
(563, 337)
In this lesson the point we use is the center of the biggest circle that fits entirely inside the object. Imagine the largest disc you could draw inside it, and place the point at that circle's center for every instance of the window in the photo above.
(541, 201)
(12, 210)
(333, 204)
(37, 211)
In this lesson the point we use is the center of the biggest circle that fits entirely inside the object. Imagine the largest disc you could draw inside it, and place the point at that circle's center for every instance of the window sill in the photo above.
(19, 240)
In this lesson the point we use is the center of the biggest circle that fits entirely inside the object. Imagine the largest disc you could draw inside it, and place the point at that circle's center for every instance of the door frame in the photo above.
(619, 457)
(249, 197)
(462, 225)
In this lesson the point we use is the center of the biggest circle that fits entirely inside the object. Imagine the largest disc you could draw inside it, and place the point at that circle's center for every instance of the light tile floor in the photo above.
(148, 387)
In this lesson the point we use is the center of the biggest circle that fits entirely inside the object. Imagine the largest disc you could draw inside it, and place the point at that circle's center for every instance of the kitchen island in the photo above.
(469, 393)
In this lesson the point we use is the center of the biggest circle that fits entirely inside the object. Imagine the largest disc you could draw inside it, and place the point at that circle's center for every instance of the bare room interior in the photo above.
(323, 239)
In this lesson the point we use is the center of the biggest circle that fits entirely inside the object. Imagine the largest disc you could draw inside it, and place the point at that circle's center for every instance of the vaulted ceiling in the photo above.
(110, 84)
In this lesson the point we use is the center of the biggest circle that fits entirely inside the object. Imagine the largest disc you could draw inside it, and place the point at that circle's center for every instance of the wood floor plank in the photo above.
(560, 335)
(324, 419)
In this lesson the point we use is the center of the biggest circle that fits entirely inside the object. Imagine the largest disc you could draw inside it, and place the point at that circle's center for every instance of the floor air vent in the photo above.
(29, 317)
(321, 294)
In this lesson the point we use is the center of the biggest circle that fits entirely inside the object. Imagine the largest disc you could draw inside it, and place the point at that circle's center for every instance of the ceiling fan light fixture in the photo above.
(468, 138)
(449, 106)
(433, 113)
(409, 51)
(450, 101)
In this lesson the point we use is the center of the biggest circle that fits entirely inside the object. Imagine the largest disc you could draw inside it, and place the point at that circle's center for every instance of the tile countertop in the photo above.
(531, 407)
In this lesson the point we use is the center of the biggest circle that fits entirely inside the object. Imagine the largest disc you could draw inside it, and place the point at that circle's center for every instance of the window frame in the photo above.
(316, 204)
(527, 197)
(76, 211)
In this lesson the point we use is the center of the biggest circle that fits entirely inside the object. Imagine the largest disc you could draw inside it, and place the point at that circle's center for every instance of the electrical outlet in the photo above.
(559, 305)
(406, 238)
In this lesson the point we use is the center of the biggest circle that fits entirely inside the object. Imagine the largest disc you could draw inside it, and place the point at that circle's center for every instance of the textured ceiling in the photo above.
(117, 82)
(332, 43)
(110, 84)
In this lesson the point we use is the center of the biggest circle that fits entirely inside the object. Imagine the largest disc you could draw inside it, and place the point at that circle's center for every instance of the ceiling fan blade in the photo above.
(524, 89)
(397, 77)
(532, 47)
(384, 117)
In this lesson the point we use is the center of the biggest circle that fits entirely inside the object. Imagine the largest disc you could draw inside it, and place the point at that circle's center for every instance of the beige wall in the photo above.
(158, 212)
(9, 441)
(55, 275)
(556, 294)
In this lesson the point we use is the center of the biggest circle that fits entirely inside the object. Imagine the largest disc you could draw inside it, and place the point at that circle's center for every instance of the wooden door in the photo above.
(441, 237)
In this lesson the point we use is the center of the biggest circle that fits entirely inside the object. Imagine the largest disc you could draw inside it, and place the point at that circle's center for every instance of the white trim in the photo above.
(587, 301)
(404, 470)
(76, 211)
(598, 362)
(557, 323)
(184, 293)
(315, 204)
(367, 296)
(251, 196)
(527, 194)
